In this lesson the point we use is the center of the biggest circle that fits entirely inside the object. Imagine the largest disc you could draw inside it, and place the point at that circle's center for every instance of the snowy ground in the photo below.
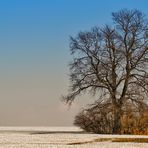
(58, 137)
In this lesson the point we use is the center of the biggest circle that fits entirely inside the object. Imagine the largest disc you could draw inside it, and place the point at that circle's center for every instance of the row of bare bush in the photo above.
(99, 118)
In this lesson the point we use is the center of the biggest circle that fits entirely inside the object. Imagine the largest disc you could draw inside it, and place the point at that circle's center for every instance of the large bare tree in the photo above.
(112, 62)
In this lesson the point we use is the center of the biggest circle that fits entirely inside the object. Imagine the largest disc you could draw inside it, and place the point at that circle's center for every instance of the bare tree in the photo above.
(112, 62)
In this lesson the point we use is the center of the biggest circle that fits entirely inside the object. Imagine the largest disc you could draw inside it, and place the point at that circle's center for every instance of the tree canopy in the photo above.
(112, 62)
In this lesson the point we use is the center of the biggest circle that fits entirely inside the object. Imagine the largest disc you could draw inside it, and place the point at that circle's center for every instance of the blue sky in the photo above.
(34, 54)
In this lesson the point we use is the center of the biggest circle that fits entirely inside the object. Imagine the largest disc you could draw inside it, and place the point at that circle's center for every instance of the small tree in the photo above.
(112, 62)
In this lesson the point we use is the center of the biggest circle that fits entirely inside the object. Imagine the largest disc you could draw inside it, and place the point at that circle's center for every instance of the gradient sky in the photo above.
(34, 54)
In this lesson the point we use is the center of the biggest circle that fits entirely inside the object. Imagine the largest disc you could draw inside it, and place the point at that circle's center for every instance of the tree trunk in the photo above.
(117, 120)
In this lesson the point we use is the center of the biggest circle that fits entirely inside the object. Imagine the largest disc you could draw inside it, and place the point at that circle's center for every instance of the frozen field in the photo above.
(59, 137)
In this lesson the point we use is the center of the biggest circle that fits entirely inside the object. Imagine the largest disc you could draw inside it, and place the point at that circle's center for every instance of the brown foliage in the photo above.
(134, 119)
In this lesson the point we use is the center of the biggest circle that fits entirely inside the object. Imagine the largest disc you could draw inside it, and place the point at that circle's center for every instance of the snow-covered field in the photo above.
(59, 137)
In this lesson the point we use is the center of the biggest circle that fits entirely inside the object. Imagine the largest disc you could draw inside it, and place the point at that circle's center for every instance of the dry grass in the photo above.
(136, 140)
(139, 140)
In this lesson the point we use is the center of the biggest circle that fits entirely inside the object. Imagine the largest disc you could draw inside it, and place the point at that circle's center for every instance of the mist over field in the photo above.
(34, 56)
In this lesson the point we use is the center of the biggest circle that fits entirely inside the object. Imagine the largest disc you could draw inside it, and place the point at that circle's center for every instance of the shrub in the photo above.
(99, 118)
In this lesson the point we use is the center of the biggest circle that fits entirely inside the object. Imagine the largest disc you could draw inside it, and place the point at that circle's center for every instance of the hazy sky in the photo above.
(34, 54)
